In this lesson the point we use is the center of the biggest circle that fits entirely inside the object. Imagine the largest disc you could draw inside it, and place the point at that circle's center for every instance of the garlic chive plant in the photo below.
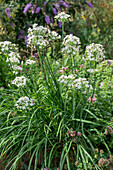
(55, 112)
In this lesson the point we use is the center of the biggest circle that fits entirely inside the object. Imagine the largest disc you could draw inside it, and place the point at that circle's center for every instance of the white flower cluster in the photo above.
(29, 62)
(41, 36)
(71, 44)
(62, 17)
(24, 103)
(7, 46)
(13, 57)
(16, 68)
(67, 80)
(19, 81)
(52, 36)
(92, 70)
(80, 82)
(95, 52)
(36, 36)
(71, 81)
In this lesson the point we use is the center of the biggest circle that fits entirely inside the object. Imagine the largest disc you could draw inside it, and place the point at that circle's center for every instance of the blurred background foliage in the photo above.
(92, 23)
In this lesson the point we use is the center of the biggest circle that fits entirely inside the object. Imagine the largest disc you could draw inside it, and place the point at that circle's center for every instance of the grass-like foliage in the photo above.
(56, 110)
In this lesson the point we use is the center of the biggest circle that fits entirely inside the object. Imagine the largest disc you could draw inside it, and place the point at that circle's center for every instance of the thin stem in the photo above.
(62, 31)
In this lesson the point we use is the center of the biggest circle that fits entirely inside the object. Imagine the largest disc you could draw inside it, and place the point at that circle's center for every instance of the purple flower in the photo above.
(27, 7)
(37, 10)
(82, 7)
(51, 19)
(12, 25)
(89, 4)
(47, 19)
(45, 3)
(56, 6)
(7, 11)
(11, 81)
(20, 36)
(54, 11)
(60, 24)
(63, 4)
(35, 54)
(22, 32)
(28, 25)
(26, 40)
(46, 168)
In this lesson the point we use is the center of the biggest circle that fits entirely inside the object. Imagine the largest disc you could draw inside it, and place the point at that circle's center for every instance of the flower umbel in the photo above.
(62, 17)
(94, 52)
(24, 103)
(71, 44)
(19, 81)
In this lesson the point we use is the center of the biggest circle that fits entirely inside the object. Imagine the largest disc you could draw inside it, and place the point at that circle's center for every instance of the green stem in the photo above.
(62, 31)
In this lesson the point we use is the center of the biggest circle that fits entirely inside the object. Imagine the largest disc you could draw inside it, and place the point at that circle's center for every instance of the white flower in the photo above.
(24, 102)
(80, 82)
(62, 16)
(92, 70)
(57, 63)
(71, 81)
(19, 81)
(13, 57)
(52, 36)
(7, 46)
(29, 62)
(41, 36)
(67, 79)
(95, 52)
(16, 68)
(35, 25)
(71, 44)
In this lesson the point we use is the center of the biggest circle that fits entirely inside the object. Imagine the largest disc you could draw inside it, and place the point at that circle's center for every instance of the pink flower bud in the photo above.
(61, 71)
(89, 99)
(93, 99)
(64, 68)
(106, 132)
(74, 139)
(36, 54)
(82, 65)
(72, 133)
(79, 134)
(110, 130)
